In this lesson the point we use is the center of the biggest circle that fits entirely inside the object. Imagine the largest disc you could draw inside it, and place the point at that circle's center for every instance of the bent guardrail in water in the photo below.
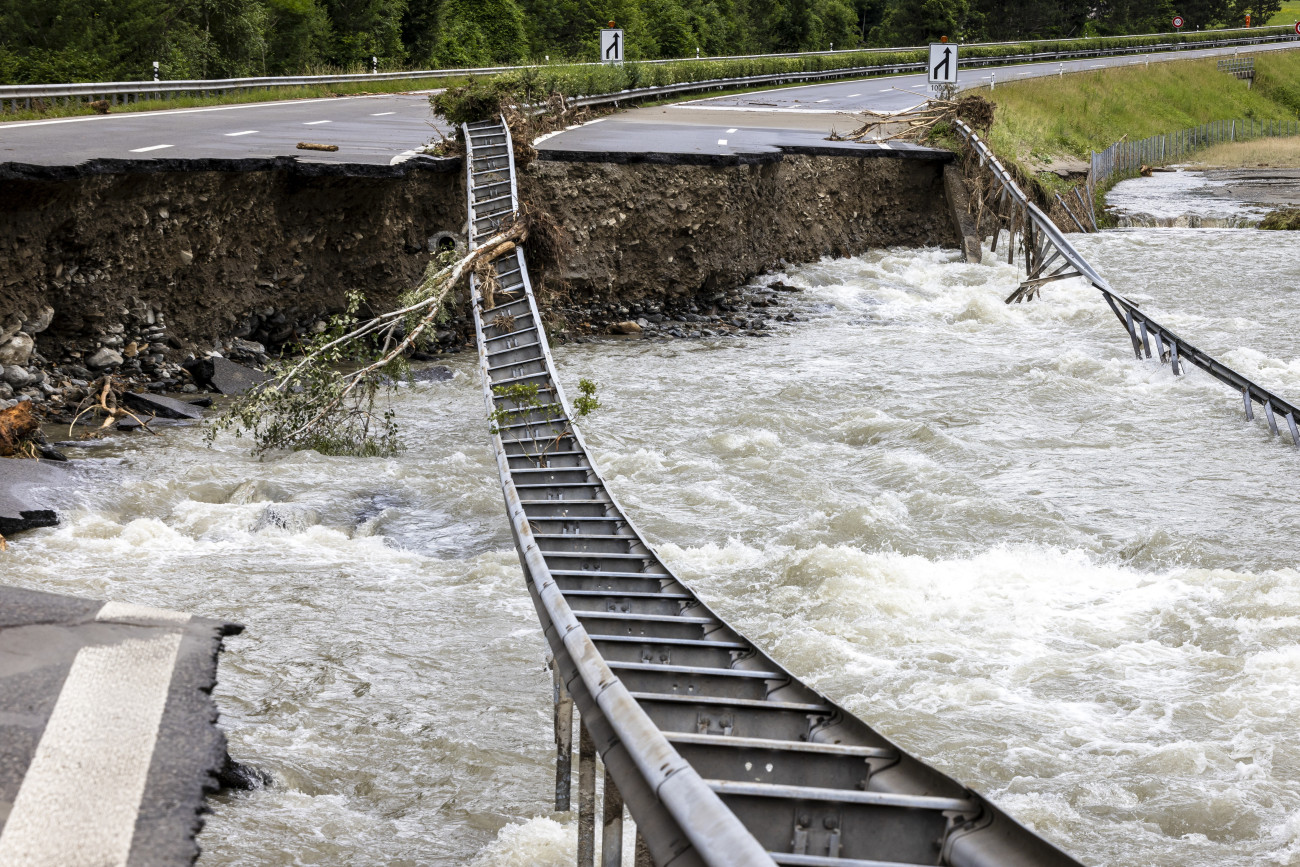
(721, 755)
(1045, 245)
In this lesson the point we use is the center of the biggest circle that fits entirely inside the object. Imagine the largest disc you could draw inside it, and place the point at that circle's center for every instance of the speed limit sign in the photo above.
(1178, 21)
(1297, 28)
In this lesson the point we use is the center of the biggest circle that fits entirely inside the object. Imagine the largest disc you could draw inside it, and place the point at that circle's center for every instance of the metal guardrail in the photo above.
(721, 755)
(1044, 245)
(1126, 159)
(14, 96)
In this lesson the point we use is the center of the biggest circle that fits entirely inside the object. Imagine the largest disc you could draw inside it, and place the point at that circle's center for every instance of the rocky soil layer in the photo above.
(132, 269)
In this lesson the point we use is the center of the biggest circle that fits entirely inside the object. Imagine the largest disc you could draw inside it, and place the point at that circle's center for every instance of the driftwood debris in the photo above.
(313, 146)
(19, 431)
(919, 123)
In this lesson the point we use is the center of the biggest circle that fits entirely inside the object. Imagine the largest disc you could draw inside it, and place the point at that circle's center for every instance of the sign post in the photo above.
(943, 64)
(611, 46)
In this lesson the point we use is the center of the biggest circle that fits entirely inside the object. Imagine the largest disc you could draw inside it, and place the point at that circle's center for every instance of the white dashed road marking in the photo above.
(245, 132)
(150, 148)
(730, 131)
(383, 113)
(316, 122)
(722, 141)
(852, 95)
(88, 748)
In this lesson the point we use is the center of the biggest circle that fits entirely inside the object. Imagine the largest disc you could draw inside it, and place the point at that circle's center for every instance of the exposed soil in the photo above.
(131, 268)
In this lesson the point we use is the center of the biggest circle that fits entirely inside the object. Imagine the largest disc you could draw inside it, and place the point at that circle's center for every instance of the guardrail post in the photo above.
(586, 798)
(563, 740)
(611, 835)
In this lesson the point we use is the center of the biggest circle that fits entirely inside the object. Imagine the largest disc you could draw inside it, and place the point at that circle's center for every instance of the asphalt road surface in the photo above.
(384, 129)
(107, 735)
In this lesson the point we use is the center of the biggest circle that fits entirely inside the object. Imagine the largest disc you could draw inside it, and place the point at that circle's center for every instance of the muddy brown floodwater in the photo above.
(1056, 572)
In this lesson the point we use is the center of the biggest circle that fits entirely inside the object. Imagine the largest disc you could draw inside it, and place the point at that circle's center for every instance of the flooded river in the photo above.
(1058, 573)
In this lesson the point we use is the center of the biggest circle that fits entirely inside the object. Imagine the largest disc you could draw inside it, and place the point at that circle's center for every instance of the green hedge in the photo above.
(536, 83)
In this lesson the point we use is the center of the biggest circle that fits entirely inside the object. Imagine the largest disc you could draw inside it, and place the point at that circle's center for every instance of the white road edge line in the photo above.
(99, 742)
(129, 612)
(150, 148)
(245, 132)
(18, 124)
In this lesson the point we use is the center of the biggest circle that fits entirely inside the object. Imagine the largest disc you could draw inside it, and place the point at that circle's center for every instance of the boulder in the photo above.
(41, 321)
(104, 358)
(247, 347)
(224, 375)
(10, 326)
(16, 376)
(160, 407)
(17, 349)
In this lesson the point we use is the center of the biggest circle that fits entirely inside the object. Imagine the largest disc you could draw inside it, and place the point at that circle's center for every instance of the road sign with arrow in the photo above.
(943, 63)
(611, 46)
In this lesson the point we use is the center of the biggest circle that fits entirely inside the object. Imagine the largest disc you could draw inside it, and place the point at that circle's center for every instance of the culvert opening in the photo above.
(443, 242)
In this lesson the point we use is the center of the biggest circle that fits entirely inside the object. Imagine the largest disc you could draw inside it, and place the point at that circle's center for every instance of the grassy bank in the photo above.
(588, 80)
(1275, 153)
(1288, 14)
(1075, 114)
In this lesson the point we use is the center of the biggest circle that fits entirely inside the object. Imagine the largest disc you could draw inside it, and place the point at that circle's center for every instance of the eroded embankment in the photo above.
(132, 267)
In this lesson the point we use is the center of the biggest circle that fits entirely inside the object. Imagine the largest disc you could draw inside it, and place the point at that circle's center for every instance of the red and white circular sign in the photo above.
(1297, 28)
(1178, 21)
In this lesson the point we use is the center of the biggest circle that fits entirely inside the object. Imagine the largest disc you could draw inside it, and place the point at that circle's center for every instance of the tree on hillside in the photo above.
(1260, 11)
(919, 22)
(298, 36)
(366, 28)
(479, 33)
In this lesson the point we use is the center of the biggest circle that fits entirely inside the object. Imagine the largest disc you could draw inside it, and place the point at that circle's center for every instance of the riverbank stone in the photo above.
(224, 375)
(161, 407)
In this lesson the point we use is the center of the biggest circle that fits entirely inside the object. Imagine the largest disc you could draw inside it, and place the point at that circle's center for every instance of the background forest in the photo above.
(118, 40)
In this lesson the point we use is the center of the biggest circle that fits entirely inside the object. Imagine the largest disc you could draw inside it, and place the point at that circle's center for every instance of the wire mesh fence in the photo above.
(1125, 159)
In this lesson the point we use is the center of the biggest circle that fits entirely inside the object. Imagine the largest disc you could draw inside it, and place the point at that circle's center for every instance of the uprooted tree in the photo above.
(315, 401)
